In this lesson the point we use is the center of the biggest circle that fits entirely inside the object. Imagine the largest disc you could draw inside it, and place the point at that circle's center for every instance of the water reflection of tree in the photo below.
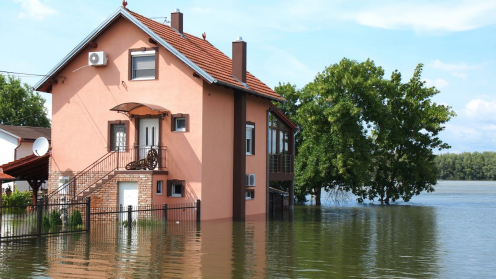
(364, 242)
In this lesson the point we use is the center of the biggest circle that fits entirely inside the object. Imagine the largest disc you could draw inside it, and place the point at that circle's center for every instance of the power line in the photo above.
(26, 74)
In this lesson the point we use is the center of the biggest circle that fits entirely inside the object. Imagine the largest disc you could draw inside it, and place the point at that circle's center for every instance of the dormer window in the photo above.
(143, 64)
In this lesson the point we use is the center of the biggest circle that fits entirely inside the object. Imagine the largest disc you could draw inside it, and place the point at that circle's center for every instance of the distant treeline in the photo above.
(467, 166)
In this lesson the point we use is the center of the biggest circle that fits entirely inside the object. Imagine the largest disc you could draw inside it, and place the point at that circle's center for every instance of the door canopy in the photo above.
(132, 108)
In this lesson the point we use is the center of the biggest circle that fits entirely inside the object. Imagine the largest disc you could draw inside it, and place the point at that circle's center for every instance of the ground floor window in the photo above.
(250, 195)
(63, 185)
(175, 188)
(159, 187)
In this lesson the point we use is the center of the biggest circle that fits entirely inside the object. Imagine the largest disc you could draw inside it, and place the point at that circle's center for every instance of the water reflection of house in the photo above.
(161, 99)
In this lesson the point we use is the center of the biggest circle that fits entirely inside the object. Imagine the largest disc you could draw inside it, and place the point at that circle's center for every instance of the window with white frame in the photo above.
(117, 137)
(180, 124)
(63, 185)
(159, 187)
(249, 195)
(250, 139)
(175, 188)
(143, 65)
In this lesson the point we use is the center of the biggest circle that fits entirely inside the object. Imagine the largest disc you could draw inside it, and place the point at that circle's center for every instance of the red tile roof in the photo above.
(4, 176)
(29, 167)
(206, 56)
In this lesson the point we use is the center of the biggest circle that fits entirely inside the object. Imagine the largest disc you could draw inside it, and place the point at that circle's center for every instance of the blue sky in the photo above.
(290, 41)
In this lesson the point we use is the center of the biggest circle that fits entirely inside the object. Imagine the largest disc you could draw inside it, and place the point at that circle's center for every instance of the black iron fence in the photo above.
(42, 219)
(45, 219)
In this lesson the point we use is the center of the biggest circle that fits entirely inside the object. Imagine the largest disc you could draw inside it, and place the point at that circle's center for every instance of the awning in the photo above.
(30, 167)
(140, 108)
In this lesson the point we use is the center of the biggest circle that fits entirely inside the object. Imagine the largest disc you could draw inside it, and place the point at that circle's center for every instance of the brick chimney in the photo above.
(239, 59)
(177, 21)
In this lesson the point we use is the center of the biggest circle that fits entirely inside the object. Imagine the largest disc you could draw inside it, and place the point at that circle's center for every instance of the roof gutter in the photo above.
(249, 91)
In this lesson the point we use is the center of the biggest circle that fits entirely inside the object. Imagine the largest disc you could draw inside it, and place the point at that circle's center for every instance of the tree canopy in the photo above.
(363, 133)
(466, 166)
(20, 106)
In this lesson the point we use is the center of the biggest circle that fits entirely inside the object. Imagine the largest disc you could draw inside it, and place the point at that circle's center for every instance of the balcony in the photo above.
(141, 158)
(281, 167)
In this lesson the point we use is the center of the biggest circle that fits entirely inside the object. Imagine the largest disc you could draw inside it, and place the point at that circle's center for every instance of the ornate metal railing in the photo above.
(125, 158)
(281, 163)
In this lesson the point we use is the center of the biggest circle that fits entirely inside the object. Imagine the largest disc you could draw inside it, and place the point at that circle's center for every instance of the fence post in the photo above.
(40, 217)
(165, 212)
(198, 210)
(129, 216)
(88, 212)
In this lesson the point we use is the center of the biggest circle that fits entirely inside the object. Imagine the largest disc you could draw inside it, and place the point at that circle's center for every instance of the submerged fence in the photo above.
(45, 219)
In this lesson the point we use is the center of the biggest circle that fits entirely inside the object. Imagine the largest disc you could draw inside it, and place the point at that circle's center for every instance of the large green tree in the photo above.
(19, 105)
(366, 134)
(404, 138)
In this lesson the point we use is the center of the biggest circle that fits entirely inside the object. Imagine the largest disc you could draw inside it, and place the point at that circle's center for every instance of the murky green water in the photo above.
(447, 234)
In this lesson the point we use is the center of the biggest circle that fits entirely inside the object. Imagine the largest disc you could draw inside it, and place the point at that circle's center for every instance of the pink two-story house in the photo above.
(144, 113)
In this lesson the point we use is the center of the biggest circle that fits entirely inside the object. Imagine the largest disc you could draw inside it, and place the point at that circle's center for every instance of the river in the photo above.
(446, 234)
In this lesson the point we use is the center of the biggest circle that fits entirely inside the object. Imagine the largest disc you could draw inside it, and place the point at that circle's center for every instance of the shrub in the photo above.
(54, 218)
(19, 199)
(76, 219)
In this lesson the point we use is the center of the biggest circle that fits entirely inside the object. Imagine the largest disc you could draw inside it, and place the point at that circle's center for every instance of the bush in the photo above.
(20, 199)
(54, 218)
(76, 219)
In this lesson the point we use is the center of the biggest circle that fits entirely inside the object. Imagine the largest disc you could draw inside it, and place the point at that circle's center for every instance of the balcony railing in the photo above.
(128, 154)
(281, 163)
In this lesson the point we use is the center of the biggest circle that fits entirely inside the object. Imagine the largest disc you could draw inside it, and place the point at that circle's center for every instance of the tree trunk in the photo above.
(318, 193)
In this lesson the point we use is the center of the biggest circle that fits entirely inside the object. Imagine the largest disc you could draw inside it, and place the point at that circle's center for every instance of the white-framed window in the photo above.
(160, 184)
(63, 185)
(177, 190)
(180, 124)
(118, 137)
(250, 137)
(143, 65)
(250, 195)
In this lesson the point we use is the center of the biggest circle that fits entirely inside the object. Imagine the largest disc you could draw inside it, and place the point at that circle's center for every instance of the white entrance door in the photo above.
(128, 196)
(148, 135)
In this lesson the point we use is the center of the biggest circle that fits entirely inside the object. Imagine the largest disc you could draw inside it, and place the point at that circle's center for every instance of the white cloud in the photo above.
(35, 9)
(444, 16)
(481, 110)
(450, 67)
(439, 83)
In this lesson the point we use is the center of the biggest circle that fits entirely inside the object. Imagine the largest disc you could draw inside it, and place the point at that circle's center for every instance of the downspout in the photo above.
(15, 150)
(267, 194)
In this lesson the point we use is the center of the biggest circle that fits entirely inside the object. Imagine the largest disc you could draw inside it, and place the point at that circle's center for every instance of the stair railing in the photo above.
(89, 176)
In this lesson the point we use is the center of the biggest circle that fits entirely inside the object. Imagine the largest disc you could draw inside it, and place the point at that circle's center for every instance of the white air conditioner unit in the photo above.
(250, 180)
(98, 58)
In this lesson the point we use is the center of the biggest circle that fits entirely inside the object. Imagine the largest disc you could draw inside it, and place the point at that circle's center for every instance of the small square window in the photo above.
(175, 188)
(159, 187)
(250, 195)
(181, 124)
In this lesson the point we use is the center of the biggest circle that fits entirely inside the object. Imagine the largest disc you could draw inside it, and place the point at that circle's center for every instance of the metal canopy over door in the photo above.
(128, 196)
(148, 135)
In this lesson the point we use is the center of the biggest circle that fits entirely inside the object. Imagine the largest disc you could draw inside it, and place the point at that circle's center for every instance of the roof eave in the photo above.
(9, 133)
(250, 91)
(121, 12)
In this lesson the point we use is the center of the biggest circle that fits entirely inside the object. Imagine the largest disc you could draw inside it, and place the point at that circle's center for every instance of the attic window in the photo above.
(143, 64)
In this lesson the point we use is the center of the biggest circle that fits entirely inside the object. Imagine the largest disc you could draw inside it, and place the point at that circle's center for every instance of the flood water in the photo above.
(450, 233)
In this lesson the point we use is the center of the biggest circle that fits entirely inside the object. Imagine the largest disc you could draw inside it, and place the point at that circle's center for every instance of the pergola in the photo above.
(32, 169)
